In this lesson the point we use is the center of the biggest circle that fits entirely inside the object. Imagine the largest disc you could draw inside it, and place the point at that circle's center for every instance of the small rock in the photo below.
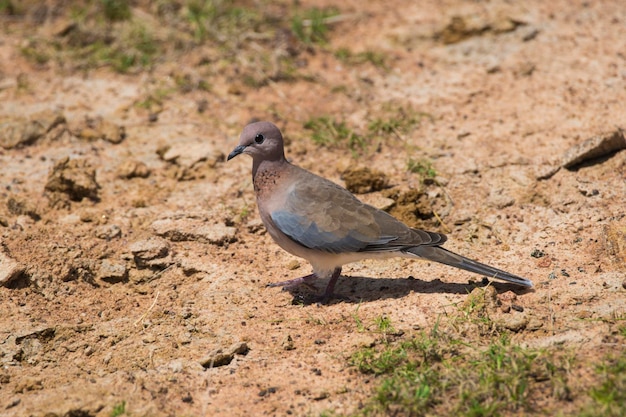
(288, 344)
(94, 128)
(547, 171)
(108, 231)
(22, 207)
(239, 348)
(220, 357)
(27, 131)
(13, 403)
(74, 177)
(293, 265)
(270, 390)
(508, 296)
(517, 307)
(594, 147)
(216, 359)
(513, 322)
(10, 269)
(112, 272)
(149, 252)
(133, 169)
(537, 253)
(189, 229)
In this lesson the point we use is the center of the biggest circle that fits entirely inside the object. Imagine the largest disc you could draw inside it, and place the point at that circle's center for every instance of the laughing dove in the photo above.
(318, 220)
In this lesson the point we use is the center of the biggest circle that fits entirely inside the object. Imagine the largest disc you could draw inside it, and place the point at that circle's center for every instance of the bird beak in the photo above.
(238, 150)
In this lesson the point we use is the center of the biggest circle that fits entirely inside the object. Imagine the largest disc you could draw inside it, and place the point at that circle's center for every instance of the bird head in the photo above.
(261, 140)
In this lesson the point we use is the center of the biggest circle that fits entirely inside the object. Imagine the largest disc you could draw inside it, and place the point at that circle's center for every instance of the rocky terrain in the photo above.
(133, 263)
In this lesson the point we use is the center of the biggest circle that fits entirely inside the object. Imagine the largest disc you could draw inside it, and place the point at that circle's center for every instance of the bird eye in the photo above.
(259, 138)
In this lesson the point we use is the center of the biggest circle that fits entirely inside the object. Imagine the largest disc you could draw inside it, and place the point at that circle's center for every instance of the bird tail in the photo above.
(444, 256)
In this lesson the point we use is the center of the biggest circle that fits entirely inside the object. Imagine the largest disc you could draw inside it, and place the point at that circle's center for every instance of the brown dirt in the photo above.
(123, 283)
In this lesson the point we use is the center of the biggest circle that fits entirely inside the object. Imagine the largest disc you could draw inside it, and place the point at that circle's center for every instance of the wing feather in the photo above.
(321, 215)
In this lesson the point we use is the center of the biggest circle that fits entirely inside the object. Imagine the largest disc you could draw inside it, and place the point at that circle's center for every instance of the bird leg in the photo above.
(293, 282)
(328, 293)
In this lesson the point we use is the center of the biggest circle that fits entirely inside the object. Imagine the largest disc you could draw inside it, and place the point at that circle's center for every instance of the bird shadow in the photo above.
(358, 289)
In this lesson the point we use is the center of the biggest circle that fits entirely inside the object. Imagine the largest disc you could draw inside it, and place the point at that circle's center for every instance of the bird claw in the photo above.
(294, 282)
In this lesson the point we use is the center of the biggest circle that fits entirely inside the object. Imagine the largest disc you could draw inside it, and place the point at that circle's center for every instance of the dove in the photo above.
(317, 220)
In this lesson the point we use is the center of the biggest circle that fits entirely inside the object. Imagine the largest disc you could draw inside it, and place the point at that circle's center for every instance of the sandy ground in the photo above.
(131, 251)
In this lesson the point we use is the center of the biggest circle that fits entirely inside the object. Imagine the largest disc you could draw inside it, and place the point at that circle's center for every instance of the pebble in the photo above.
(514, 322)
(594, 147)
(190, 229)
(287, 343)
(10, 269)
(108, 232)
(133, 169)
(27, 131)
(74, 177)
(94, 128)
(221, 357)
(517, 307)
(112, 272)
(147, 251)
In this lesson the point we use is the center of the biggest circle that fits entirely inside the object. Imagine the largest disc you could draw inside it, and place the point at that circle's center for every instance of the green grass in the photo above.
(138, 50)
(326, 131)
(439, 372)
(221, 21)
(423, 167)
(396, 120)
(345, 55)
(311, 26)
(118, 409)
(7, 7)
(242, 41)
(116, 10)
(456, 369)
(608, 397)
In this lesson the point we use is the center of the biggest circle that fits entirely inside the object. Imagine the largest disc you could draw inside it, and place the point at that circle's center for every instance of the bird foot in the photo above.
(294, 282)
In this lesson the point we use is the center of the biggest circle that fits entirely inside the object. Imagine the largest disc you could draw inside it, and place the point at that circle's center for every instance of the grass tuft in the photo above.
(118, 409)
(434, 373)
(608, 398)
(377, 59)
(116, 10)
(331, 133)
(311, 26)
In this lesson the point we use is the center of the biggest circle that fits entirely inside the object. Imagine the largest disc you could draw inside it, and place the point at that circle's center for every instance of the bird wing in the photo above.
(321, 215)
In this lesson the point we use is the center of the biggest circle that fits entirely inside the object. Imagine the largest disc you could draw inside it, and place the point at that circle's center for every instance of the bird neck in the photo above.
(266, 174)
(262, 165)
